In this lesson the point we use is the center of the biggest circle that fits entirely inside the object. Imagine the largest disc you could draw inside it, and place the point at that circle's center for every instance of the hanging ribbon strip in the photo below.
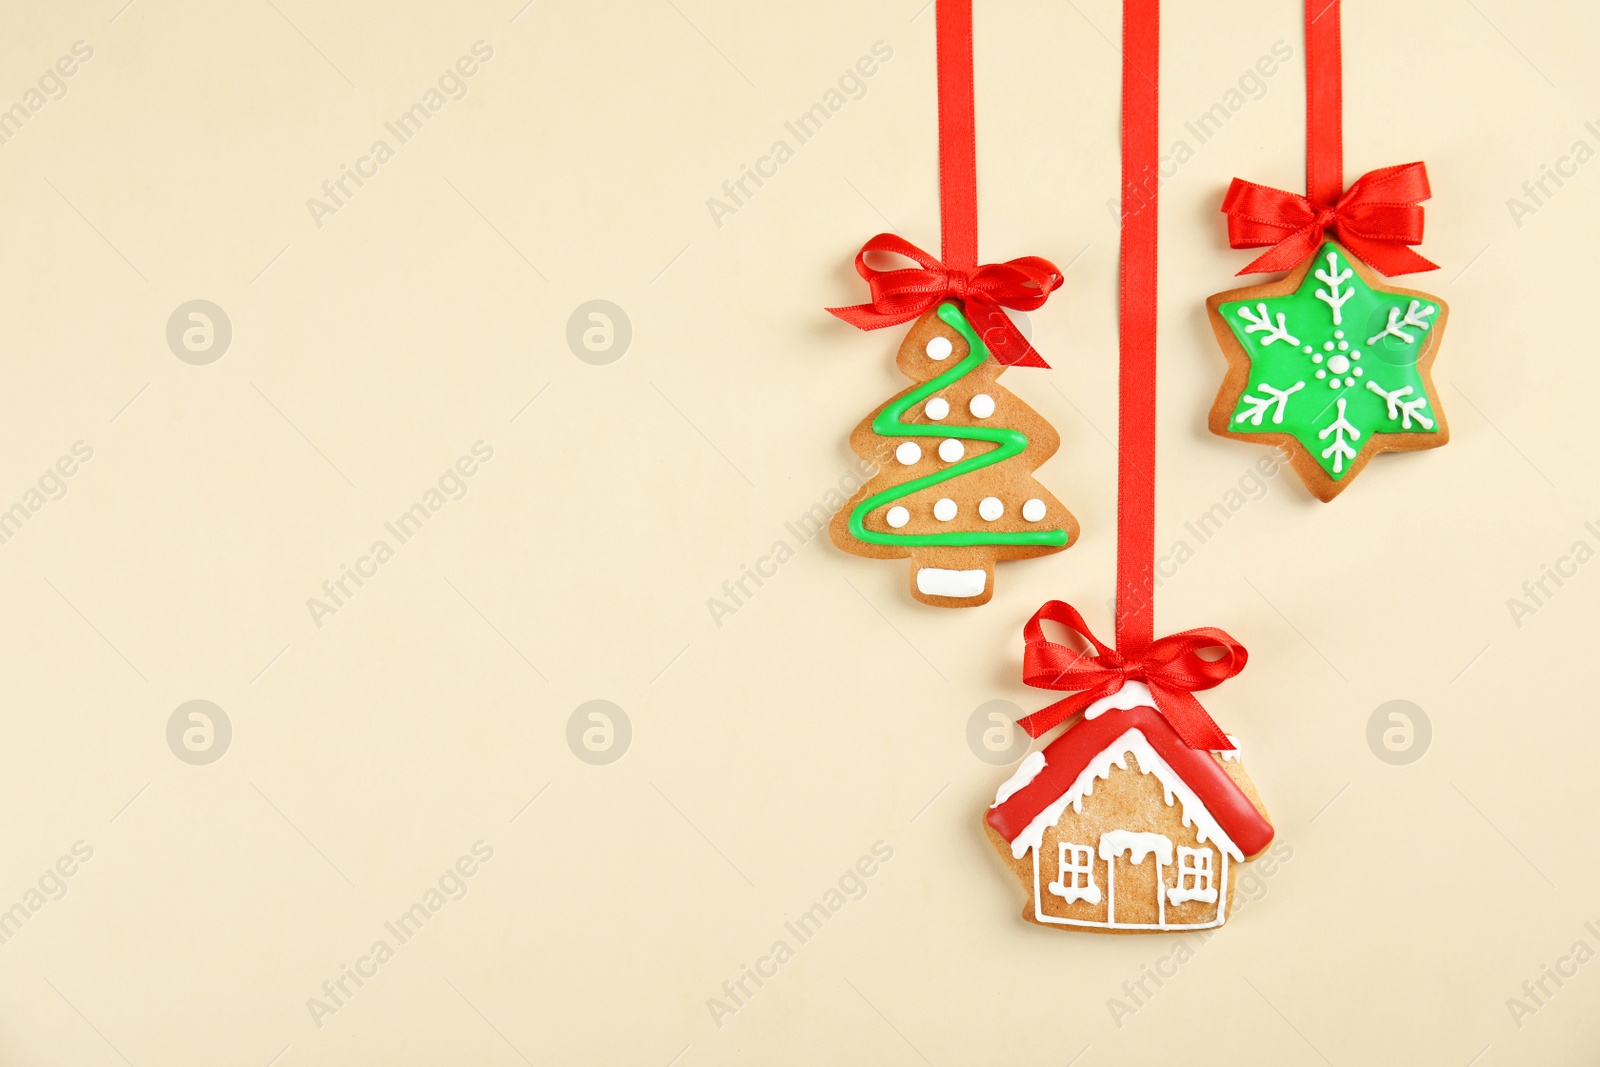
(902, 295)
(1376, 219)
(1170, 667)
(1136, 327)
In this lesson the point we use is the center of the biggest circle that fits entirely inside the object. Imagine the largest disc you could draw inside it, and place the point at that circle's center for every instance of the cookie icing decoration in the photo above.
(1136, 817)
(1329, 362)
(962, 496)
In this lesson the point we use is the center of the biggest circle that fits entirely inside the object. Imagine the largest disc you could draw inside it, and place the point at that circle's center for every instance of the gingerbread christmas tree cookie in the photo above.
(956, 491)
(1332, 364)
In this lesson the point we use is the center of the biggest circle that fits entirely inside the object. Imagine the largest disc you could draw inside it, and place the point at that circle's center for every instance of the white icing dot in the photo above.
(939, 348)
(1338, 364)
(944, 509)
(1317, 358)
(1338, 333)
(950, 450)
(991, 508)
(1356, 354)
(1349, 381)
(1344, 346)
(1358, 372)
(1327, 346)
(1309, 348)
(981, 406)
(1322, 374)
(1333, 383)
(1033, 510)
(898, 516)
(937, 408)
(908, 452)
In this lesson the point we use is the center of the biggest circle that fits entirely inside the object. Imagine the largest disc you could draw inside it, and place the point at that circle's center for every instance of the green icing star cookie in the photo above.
(1334, 362)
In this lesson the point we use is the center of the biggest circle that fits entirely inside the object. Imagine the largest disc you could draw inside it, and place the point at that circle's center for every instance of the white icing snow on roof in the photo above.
(1115, 754)
(1032, 764)
(1131, 695)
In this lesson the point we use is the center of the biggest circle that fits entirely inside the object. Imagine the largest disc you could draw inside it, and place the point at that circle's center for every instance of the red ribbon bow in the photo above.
(1375, 219)
(1170, 667)
(901, 295)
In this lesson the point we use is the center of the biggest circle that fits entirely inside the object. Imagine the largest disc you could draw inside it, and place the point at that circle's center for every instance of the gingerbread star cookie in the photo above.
(1332, 365)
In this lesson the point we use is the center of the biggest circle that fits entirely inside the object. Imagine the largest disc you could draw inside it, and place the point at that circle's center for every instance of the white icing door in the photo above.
(1137, 845)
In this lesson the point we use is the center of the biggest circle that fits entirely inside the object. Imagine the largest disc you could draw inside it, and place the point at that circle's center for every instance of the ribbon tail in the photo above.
(999, 332)
(1188, 719)
(869, 317)
(1386, 257)
(1048, 718)
(1287, 253)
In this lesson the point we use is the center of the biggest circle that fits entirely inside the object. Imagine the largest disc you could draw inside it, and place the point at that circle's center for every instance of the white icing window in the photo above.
(1194, 877)
(1075, 874)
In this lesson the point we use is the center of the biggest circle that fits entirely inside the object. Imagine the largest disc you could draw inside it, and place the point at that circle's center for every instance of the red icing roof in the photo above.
(1067, 756)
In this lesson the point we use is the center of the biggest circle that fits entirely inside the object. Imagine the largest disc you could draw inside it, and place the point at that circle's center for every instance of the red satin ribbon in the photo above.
(1376, 219)
(1171, 667)
(901, 295)
(1136, 327)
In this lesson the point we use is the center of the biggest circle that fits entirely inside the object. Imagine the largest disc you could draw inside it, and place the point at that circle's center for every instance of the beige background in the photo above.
(830, 712)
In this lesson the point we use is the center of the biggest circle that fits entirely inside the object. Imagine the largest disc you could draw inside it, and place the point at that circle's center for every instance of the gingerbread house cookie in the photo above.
(1118, 826)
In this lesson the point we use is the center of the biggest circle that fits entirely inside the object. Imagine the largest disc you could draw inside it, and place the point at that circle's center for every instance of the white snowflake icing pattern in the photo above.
(1333, 358)
(1260, 404)
(1341, 429)
(1263, 321)
(1402, 409)
(1333, 295)
(1416, 316)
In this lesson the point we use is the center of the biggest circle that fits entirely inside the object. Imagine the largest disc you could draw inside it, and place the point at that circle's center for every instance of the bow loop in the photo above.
(1171, 667)
(1377, 219)
(902, 294)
